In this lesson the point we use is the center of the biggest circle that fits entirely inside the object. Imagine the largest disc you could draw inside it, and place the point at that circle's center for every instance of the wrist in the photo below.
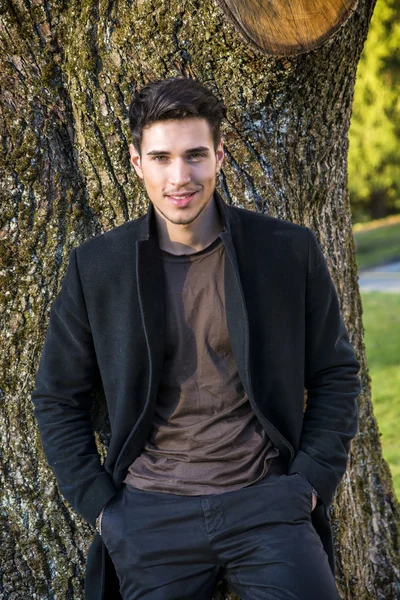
(98, 522)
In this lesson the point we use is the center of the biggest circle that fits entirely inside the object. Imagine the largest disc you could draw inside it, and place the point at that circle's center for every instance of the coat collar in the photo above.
(149, 229)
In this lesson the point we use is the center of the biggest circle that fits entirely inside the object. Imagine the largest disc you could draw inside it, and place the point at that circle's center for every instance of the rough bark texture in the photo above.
(68, 70)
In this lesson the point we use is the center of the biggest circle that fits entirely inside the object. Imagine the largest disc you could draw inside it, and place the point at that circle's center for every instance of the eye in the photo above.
(196, 155)
(159, 158)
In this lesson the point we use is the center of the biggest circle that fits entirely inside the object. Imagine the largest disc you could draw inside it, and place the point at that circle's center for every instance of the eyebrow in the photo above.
(190, 151)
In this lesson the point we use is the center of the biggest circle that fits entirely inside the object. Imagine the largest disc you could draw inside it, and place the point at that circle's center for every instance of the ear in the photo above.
(220, 154)
(135, 160)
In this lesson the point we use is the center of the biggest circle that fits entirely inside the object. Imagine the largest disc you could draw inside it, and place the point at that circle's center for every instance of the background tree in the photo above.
(68, 71)
(374, 153)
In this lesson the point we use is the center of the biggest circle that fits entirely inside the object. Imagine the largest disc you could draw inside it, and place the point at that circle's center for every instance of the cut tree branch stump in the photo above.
(286, 27)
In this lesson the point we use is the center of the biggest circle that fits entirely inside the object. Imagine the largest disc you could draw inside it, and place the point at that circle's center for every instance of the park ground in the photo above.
(378, 259)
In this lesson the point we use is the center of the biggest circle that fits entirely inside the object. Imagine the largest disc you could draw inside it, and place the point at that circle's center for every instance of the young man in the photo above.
(205, 322)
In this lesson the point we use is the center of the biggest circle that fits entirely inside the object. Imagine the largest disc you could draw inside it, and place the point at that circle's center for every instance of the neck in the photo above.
(192, 237)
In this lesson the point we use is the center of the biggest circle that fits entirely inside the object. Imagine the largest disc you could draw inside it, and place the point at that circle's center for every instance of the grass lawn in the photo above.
(381, 318)
(377, 245)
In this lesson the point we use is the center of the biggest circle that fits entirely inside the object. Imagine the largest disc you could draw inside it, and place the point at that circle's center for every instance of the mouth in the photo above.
(181, 199)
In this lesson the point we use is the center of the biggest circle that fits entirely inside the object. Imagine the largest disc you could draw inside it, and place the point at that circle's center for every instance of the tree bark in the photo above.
(68, 70)
(378, 204)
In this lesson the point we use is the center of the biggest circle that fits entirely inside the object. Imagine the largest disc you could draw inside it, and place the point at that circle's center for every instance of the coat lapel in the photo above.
(238, 321)
(236, 315)
(151, 295)
(151, 292)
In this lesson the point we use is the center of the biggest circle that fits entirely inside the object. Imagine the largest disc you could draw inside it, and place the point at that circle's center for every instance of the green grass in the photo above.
(378, 245)
(381, 318)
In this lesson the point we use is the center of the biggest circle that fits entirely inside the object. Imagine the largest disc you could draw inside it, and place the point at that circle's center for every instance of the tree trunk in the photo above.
(378, 204)
(68, 70)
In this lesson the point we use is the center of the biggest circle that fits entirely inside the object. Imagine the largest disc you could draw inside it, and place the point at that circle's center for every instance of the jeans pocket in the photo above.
(310, 490)
(307, 488)
(107, 510)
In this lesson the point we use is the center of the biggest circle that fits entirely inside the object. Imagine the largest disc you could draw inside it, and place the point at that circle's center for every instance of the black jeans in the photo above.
(259, 538)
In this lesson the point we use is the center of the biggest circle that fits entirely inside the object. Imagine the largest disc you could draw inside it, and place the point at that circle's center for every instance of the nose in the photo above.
(179, 172)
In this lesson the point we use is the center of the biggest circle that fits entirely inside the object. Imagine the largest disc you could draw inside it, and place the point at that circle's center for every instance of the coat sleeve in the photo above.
(331, 379)
(62, 401)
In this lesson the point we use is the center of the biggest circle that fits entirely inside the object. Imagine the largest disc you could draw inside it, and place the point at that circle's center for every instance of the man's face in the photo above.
(178, 167)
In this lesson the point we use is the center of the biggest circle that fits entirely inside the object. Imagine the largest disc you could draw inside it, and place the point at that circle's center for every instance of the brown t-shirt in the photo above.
(206, 438)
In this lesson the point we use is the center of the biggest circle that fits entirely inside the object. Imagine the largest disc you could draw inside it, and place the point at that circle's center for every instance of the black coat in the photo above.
(287, 334)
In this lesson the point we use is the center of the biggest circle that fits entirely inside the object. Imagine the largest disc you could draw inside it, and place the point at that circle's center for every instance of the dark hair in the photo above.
(174, 98)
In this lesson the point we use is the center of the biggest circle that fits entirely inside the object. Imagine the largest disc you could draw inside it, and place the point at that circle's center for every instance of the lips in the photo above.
(181, 200)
